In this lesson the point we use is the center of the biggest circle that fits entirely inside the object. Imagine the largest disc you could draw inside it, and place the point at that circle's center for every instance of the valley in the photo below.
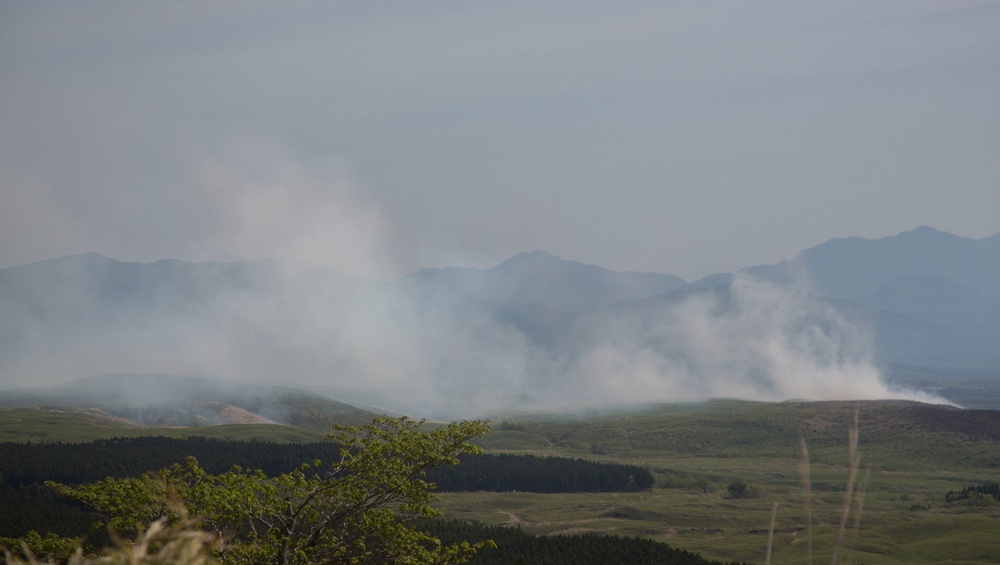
(916, 454)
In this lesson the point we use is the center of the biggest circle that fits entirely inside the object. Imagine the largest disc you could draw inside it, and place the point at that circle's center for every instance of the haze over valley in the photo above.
(837, 322)
(346, 197)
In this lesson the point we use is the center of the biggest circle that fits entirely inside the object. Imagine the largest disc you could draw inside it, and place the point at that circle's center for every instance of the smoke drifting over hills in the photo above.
(534, 332)
(430, 346)
(351, 138)
(753, 340)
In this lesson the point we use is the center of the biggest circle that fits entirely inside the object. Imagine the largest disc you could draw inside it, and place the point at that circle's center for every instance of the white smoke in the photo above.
(256, 201)
(303, 322)
(757, 341)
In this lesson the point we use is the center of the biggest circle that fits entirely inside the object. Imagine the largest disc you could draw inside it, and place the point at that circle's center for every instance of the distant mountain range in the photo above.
(532, 330)
(931, 266)
(932, 297)
(539, 278)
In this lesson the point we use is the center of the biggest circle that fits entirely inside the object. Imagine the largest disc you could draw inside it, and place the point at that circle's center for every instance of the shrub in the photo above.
(741, 489)
(357, 510)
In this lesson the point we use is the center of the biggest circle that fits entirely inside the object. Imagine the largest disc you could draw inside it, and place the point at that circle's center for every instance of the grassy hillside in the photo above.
(917, 453)
(895, 435)
(148, 404)
(51, 424)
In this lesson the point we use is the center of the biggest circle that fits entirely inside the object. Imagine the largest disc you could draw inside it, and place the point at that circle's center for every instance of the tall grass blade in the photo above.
(807, 493)
(770, 534)
(854, 460)
(862, 488)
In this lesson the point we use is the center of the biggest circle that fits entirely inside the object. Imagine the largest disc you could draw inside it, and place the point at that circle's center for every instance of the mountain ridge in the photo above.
(854, 266)
(533, 329)
(542, 279)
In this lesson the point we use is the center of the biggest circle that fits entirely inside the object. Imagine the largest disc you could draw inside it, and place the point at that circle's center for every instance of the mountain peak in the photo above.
(531, 260)
(925, 233)
(89, 257)
(855, 266)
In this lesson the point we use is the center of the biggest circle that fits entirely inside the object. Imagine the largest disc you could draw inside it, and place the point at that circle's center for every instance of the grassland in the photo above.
(53, 424)
(916, 453)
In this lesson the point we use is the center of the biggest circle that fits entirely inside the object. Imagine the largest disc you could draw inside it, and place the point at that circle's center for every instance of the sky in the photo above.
(375, 138)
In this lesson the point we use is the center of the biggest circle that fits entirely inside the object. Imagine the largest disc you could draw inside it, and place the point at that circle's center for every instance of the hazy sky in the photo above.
(378, 137)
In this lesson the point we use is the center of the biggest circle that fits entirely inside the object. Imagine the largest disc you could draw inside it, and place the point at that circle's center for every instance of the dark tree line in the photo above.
(516, 547)
(24, 498)
(35, 507)
(26, 504)
(974, 492)
(76, 463)
(528, 473)
(359, 510)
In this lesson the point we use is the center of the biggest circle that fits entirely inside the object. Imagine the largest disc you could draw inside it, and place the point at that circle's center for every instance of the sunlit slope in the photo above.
(894, 434)
(916, 453)
(109, 405)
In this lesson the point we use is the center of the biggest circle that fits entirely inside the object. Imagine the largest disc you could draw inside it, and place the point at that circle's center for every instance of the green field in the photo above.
(916, 453)
(40, 425)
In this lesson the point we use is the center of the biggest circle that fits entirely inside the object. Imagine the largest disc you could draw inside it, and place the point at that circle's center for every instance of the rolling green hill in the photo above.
(915, 454)
(170, 405)
(51, 425)
(896, 435)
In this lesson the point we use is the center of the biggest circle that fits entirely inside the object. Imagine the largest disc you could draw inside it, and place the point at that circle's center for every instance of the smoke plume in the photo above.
(308, 318)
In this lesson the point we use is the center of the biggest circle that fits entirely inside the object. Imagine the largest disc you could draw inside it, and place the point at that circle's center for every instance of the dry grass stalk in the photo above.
(862, 488)
(182, 543)
(807, 493)
(770, 533)
(854, 460)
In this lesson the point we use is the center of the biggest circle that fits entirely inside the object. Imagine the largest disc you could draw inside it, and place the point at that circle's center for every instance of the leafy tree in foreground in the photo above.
(356, 511)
